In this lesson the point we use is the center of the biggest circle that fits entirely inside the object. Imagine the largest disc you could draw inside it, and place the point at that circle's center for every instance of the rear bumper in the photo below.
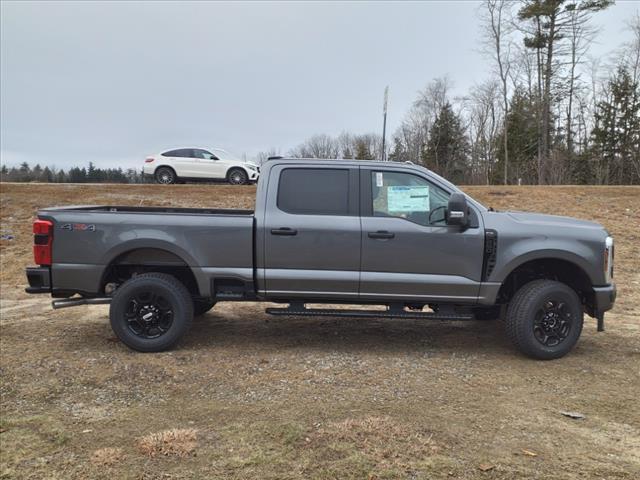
(604, 298)
(39, 279)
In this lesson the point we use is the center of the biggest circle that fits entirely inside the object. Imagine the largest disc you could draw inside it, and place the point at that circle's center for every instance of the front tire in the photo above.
(237, 176)
(165, 176)
(544, 319)
(151, 312)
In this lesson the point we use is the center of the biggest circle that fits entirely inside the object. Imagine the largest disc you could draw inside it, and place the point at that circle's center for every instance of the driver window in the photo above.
(408, 196)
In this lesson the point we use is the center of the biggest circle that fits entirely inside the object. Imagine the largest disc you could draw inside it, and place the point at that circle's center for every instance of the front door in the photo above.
(208, 165)
(408, 250)
(312, 233)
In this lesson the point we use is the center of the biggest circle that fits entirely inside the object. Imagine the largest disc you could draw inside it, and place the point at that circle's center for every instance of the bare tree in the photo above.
(546, 24)
(262, 157)
(580, 36)
(317, 146)
(632, 49)
(482, 112)
(410, 139)
(498, 43)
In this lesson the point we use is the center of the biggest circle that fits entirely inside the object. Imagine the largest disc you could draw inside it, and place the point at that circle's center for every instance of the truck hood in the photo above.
(552, 220)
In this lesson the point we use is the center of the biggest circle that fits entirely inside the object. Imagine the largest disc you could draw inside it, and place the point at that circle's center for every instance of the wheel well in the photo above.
(145, 260)
(165, 166)
(236, 168)
(547, 268)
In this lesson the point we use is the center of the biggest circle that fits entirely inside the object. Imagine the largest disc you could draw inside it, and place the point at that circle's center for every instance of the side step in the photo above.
(391, 313)
(76, 301)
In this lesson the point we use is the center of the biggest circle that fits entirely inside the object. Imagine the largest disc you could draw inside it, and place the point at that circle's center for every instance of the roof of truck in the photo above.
(342, 161)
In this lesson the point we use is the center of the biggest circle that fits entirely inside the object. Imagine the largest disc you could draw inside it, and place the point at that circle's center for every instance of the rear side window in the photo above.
(314, 191)
(183, 152)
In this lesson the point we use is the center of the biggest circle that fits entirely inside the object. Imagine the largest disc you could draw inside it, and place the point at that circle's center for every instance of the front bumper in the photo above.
(39, 279)
(603, 300)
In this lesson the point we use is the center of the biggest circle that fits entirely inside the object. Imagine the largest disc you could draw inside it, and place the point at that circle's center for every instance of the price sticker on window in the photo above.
(408, 199)
(379, 181)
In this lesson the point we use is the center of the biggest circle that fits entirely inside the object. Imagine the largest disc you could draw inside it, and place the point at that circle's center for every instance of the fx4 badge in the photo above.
(83, 227)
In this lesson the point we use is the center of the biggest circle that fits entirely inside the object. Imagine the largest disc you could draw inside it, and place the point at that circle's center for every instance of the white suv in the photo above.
(199, 164)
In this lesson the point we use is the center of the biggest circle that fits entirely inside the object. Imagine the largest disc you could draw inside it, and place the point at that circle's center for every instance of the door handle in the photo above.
(284, 231)
(381, 234)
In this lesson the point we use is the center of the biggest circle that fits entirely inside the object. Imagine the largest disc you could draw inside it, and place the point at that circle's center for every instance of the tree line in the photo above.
(549, 112)
(90, 174)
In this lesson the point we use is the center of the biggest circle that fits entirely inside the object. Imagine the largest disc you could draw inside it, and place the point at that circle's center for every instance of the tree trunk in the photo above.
(539, 106)
(546, 103)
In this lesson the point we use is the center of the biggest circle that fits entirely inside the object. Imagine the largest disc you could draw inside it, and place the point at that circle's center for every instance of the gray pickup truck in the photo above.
(331, 232)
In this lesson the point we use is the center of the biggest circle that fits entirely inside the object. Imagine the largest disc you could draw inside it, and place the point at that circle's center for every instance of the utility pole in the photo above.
(384, 122)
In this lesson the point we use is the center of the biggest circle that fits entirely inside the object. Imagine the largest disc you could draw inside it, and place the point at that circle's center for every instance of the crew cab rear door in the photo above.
(408, 250)
(312, 232)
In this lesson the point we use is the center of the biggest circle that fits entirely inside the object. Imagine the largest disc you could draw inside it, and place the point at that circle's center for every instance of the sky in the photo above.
(111, 82)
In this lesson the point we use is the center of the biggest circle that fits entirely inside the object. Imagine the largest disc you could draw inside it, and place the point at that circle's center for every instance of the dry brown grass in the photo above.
(381, 440)
(180, 442)
(315, 397)
(106, 457)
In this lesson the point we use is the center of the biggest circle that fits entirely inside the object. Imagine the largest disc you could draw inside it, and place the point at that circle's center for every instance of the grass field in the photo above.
(250, 396)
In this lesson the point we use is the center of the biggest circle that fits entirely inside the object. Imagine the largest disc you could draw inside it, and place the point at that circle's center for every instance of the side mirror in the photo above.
(457, 210)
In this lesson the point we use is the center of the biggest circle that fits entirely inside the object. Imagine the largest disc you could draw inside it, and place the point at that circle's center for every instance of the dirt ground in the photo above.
(246, 395)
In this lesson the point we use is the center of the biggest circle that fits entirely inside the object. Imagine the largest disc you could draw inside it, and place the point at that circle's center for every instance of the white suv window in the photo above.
(198, 153)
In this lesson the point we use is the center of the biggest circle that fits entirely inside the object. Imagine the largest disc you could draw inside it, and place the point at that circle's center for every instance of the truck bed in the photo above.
(88, 239)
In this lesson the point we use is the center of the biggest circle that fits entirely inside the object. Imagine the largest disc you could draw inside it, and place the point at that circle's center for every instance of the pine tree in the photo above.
(447, 147)
(362, 150)
(36, 173)
(547, 24)
(46, 175)
(522, 142)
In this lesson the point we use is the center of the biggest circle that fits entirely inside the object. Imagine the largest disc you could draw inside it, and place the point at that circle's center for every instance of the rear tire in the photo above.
(544, 319)
(151, 312)
(200, 307)
(237, 176)
(165, 176)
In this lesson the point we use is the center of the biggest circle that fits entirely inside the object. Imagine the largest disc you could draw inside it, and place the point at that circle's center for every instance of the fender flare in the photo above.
(543, 254)
(127, 246)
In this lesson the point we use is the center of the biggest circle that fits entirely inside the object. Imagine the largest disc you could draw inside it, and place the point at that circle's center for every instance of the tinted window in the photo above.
(314, 191)
(198, 153)
(404, 195)
(183, 152)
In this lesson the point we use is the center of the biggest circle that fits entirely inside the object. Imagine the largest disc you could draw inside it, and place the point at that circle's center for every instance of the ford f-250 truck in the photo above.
(331, 232)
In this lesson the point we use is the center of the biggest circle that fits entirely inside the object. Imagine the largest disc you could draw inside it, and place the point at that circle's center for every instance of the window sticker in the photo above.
(379, 181)
(408, 199)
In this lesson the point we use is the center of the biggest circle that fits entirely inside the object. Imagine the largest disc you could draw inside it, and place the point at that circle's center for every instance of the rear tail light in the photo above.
(42, 241)
(149, 160)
